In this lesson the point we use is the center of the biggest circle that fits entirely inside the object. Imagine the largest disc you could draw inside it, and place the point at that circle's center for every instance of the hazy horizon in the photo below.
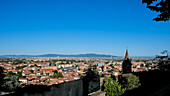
(73, 54)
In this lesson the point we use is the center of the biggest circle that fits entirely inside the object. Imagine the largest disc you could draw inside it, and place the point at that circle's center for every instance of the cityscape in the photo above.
(41, 70)
(84, 48)
(60, 70)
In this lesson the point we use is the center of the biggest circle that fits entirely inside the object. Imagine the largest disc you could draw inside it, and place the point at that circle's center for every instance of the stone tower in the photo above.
(127, 64)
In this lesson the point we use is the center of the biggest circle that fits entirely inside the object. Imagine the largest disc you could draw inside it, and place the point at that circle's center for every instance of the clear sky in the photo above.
(81, 26)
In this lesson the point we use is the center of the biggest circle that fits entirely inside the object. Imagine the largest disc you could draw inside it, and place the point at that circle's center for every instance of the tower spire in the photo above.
(127, 65)
(127, 55)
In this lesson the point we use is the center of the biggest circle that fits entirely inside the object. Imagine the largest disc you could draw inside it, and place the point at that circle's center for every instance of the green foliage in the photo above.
(81, 76)
(10, 84)
(35, 65)
(67, 62)
(61, 62)
(76, 66)
(95, 71)
(132, 82)
(32, 71)
(39, 61)
(20, 75)
(85, 69)
(20, 67)
(90, 66)
(147, 65)
(10, 73)
(94, 66)
(113, 88)
(55, 72)
(110, 70)
(57, 75)
(15, 62)
(54, 63)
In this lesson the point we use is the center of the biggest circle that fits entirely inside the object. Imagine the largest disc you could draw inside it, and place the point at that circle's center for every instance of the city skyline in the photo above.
(80, 27)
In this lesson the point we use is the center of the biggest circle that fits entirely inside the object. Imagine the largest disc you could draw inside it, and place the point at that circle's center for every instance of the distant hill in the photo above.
(61, 55)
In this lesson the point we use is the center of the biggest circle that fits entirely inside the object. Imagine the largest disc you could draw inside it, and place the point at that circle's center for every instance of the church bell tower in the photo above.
(127, 64)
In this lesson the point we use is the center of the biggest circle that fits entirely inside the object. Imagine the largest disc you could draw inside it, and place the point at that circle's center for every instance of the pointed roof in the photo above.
(127, 55)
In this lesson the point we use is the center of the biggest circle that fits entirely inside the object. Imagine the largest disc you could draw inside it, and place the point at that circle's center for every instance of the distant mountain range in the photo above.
(61, 55)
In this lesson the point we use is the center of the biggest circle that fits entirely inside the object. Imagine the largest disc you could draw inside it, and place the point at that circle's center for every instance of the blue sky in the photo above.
(81, 26)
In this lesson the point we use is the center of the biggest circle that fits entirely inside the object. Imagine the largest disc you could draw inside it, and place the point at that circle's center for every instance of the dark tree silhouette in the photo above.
(1, 77)
(164, 61)
(162, 7)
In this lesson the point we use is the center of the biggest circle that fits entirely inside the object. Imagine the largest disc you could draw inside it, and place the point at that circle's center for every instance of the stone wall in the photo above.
(74, 88)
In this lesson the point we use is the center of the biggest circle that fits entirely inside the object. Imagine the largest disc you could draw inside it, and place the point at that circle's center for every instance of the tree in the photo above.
(162, 7)
(61, 62)
(85, 69)
(163, 58)
(9, 74)
(60, 75)
(20, 67)
(109, 71)
(1, 76)
(57, 75)
(10, 84)
(35, 65)
(90, 66)
(113, 88)
(164, 61)
(20, 75)
(67, 62)
(94, 67)
(132, 82)
(76, 66)
(81, 76)
(32, 71)
(95, 71)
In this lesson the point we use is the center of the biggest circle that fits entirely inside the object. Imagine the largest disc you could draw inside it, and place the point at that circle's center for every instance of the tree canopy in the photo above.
(161, 6)
(57, 75)
(8, 82)
(132, 82)
(113, 88)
